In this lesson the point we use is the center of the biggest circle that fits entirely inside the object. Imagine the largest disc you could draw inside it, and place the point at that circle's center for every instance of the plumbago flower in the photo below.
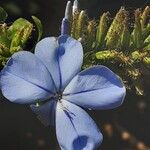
(51, 78)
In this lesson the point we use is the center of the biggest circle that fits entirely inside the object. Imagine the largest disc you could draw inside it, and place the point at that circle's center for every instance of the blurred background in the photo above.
(125, 128)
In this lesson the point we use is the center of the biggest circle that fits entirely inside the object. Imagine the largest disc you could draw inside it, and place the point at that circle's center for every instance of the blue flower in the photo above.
(52, 76)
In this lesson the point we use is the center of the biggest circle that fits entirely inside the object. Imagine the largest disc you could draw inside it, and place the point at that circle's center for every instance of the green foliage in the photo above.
(115, 31)
(81, 25)
(18, 33)
(14, 38)
(121, 43)
(3, 15)
(38, 26)
(102, 29)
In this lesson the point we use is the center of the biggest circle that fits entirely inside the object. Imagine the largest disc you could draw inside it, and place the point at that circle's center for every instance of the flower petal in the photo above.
(63, 58)
(46, 112)
(95, 88)
(45, 50)
(25, 79)
(75, 129)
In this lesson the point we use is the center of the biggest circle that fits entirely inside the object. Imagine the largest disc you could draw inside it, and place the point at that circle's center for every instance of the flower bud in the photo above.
(137, 32)
(75, 7)
(81, 24)
(113, 37)
(68, 11)
(145, 16)
(102, 29)
(65, 27)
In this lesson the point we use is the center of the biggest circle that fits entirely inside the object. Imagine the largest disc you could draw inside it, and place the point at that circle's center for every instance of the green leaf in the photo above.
(20, 38)
(3, 36)
(16, 41)
(39, 27)
(106, 55)
(18, 25)
(146, 31)
(125, 38)
(146, 60)
(147, 44)
(3, 15)
(147, 48)
(19, 32)
(4, 51)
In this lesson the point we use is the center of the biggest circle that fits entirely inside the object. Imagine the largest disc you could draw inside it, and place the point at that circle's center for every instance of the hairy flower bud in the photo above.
(68, 11)
(75, 7)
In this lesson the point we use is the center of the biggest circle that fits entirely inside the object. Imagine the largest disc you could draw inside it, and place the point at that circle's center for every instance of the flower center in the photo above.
(58, 96)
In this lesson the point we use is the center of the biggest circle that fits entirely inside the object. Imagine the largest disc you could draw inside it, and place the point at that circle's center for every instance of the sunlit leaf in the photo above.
(38, 26)
(17, 25)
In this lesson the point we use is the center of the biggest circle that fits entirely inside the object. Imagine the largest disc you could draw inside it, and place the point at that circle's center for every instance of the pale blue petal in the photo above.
(70, 60)
(63, 57)
(75, 129)
(45, 112)
(25, 79)
(96, 88)
(45, 50)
